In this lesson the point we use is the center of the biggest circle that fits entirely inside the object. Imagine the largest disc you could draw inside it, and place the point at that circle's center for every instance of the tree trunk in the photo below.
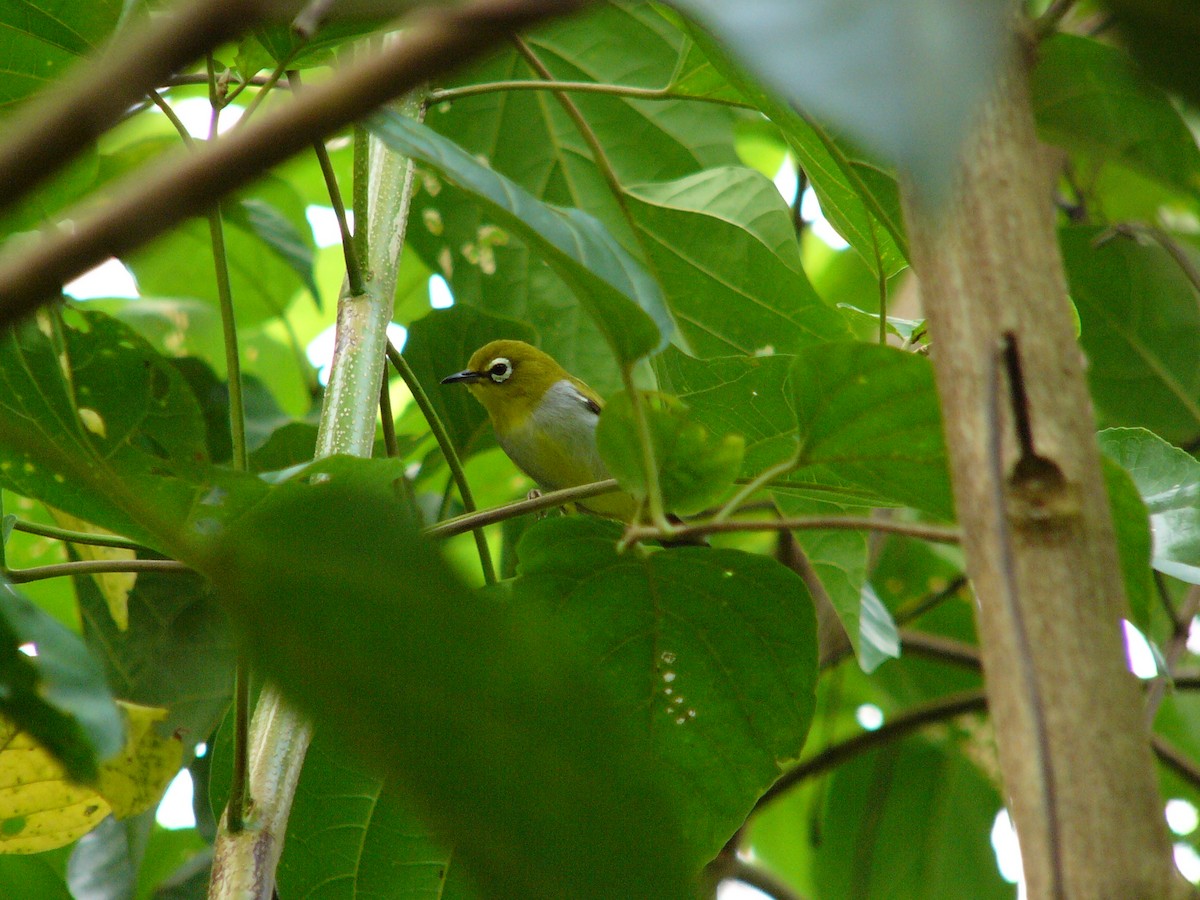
(1037, 528)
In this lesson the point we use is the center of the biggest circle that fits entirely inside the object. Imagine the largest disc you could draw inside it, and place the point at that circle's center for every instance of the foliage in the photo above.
(606, 720)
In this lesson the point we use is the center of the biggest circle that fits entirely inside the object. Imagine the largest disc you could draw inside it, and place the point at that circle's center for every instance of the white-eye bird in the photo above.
(544, 419)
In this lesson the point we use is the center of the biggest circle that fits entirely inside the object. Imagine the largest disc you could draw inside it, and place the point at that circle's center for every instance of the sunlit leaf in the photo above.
(625, 302)
(40, 808)
(1169, 482)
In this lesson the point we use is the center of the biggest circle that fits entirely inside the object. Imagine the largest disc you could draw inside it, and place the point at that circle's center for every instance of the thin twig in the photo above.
(900, 726)
(1176, 760)
(77, 537)
(448, 95)
(549, 500)
(760, 879)
(404, 370)
(938, 534)
(93, 567)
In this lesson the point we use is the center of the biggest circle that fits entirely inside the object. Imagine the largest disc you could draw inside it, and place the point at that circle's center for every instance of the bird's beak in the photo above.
(466, 375)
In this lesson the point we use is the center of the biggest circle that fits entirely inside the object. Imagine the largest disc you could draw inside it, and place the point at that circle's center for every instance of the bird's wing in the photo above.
(589, 398)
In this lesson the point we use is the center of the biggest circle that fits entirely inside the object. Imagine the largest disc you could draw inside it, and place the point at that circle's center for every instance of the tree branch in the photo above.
(937, 534)
(93, 567)
(148, 204)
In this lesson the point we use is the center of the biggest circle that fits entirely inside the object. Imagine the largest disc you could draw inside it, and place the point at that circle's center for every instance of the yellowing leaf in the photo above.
(114, 586)
(40, 809)
(134, 780)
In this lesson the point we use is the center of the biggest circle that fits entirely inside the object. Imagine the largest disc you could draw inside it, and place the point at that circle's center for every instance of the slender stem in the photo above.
(754, 484)
(77, 537)
(448, 95)
(944, 649)
(93, 567)
(1047, 23)
(1181, 626)
(548, 500)
(930, 601)
(387, 423)
(902, 725)
(447, 447)
(166, 109)
(1176, 760)
(354, 273)
(272, 79)
(937, 534)
(362, 165)
(237, 429)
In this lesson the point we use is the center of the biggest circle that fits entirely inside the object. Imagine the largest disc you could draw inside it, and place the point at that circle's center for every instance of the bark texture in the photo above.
(1037, 529)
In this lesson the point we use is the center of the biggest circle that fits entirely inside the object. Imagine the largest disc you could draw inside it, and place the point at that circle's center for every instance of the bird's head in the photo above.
(508, 377)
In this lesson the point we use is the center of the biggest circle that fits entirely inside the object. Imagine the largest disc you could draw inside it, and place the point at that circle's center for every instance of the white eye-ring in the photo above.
(499, 369)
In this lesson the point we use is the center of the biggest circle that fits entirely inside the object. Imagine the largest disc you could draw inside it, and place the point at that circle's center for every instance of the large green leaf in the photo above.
(1089, 96)
(1140, 329)
(41, 39)
(1162, 36)
(871, 67)
(527, 136)
(859, 197)
(474, 711)
(625, 302)
(870, 414)
(119, 409)
(723, 246)
(1134, 538)
(350, 835)
(1169, 481)
(268, 253)
(58, 696)
(910, 821)
(710, 653)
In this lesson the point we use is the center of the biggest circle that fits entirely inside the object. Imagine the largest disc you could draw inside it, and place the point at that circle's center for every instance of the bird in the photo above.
(544, 419)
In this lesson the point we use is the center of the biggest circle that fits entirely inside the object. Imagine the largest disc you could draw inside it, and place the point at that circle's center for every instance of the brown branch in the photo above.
(901, 726)
(943, 649)
(549, 500)
(47, 134)
(93, 567)
(1176, 760)
(938, 534)
(437, 41)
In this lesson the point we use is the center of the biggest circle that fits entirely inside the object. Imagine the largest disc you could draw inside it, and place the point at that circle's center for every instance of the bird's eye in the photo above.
(499, 370)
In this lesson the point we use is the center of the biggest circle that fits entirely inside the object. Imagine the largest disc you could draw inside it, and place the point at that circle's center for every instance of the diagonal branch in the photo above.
(149, 204)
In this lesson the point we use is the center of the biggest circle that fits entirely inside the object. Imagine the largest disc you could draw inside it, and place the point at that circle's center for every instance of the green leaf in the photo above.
(871, 68)
(124, 409)
(858, 196)
(906, 329)
(1169, 481)
(350, 828)
(695, 469)
(1162, 35)
(910, 821)
(528, 136)
(1089, 96)
(622, 298)
(262, 279)
(710, 653)
(1141, 331)
(723, 246)
(33, 875)
(59, 697)
(1134, 538)
(441, 343)
(176, 652)
(41, 39)
(750, 396)
(278, 233)
(475, 713)
(870, 414)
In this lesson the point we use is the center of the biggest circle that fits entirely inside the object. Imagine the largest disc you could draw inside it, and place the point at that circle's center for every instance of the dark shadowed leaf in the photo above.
(710, 653)
(58, 696)
(476, 713)
(1141, 331)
